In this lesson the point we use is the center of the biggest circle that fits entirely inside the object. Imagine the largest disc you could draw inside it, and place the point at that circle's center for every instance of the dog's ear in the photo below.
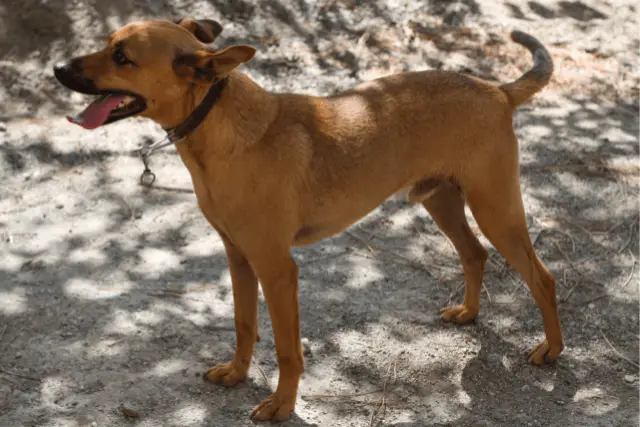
(205, 30)
(205, 66)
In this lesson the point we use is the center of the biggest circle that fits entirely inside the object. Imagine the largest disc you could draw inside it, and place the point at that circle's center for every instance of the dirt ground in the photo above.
(115, 298)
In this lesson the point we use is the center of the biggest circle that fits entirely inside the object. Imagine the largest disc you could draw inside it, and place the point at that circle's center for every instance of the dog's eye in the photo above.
(120, 59)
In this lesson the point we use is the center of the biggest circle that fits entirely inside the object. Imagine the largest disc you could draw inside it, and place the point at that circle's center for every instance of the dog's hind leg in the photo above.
(445, 204)
(493, 194)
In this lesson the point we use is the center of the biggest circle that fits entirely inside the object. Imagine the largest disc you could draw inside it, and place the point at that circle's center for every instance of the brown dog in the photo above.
(272, 171)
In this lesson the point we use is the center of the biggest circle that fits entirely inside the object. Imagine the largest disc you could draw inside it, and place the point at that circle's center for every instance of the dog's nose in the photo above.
(69, 73)
(63, 67)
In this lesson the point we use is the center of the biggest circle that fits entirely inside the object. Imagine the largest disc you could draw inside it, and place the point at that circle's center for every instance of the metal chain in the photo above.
(148, 178)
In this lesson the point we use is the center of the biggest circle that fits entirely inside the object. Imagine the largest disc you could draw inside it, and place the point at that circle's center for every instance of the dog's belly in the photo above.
(333, 219)
(308, 235)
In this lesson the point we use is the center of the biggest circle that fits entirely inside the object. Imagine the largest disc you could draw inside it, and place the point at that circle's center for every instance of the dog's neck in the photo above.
(238, 119)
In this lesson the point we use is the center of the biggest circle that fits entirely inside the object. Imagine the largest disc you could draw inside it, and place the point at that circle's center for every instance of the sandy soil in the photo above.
(113, 296)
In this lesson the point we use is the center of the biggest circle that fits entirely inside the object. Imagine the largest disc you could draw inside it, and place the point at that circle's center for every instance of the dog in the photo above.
(272, 171)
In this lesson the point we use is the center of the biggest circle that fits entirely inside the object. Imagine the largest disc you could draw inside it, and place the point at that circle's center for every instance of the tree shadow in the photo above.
(574, 9)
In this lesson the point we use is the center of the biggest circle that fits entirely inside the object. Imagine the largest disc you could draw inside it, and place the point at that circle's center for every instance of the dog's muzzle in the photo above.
(69, 73)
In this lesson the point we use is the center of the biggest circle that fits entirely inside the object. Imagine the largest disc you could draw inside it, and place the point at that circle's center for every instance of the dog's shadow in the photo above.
(502, 389)
(518, 392)
(240, 399)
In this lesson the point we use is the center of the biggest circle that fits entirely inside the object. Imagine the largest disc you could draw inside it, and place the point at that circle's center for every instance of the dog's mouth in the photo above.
(109, 107)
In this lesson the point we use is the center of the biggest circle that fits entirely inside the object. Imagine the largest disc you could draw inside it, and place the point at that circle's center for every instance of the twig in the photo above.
(341, 396)
(165, 293)
(620, 355)
(364, 241)
(3, 329)
(263, 374)
(596, 257)
(554, 229)
(348, 4)
(578, 271)
(566, 297)
(123, 200)
(13, 374)
(323, 258)
(448, 240)
(534, 242)
(630, 275)
(573, 241)
(372, 234)
(267, 39)
(7, 344)
(378, 413)
(590, 167)
(409, 277)
(566, 256)
(590, 300)
(578, 226)
(400, 259)
(9, 380)
(502, 269)
(618, 224)
(633, 224)
(351, 398)
(455, 292)
(362, 42)
(488, 294)
(388, 403)
(170, 189)
(420, 234)
(404, 260)
(111, 344)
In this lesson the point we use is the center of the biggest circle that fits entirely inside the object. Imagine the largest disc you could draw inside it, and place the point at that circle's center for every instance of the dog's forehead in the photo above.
(154, 35)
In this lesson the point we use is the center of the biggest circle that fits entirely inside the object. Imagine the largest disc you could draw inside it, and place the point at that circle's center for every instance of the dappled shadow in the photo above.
(580, 11)
(574, 9)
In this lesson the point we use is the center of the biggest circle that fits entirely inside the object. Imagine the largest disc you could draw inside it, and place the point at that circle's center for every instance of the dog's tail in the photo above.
(536, 78)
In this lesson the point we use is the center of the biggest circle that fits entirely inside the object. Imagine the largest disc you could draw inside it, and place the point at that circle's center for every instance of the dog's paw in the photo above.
(543, 353)
(275, 408)
(225, 373)
(458, 313)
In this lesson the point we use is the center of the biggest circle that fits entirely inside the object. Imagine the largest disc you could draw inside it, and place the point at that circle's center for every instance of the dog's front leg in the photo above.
(245, 304)
(279, 279)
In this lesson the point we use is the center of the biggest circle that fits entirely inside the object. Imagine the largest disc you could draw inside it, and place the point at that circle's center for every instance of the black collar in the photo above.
(179, 133)
(196, 117)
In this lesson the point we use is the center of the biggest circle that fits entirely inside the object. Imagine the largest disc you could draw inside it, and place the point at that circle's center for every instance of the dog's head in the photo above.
(146, 68)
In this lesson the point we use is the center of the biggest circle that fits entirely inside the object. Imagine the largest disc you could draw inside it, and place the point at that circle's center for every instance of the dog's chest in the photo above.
(203, 187)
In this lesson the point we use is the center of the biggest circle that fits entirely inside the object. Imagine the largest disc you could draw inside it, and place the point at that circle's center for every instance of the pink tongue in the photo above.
(97, 112)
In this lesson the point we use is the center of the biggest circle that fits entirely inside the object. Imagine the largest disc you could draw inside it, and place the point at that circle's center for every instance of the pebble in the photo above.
(306, 345)
(630, 379)
(128, 412)
(560, 402)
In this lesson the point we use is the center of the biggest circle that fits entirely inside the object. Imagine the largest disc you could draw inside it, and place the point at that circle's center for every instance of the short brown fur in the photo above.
(272, 171)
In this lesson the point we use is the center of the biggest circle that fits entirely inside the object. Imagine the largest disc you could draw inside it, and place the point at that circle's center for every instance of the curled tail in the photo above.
(536, 78)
